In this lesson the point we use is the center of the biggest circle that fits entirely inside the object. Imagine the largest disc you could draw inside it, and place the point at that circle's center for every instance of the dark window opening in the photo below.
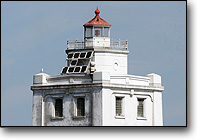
(118, 106)
(81, 106)
(59, 108)
(140, 108)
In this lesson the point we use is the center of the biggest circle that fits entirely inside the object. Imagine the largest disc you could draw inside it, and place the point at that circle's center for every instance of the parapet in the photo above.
(155, 79)
(40, 78)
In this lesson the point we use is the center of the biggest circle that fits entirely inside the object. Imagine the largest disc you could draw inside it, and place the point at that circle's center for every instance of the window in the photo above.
(140, 108)
(80, 107)
(58, 108)
(119, 106)
(106, 32)
(97, 32)
(88, 32)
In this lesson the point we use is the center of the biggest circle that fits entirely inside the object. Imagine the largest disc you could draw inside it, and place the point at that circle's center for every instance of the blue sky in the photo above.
(34, 35)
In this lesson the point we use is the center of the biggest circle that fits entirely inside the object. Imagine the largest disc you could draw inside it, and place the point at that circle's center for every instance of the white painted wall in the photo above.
(111, 71)
(40, 78)
(97, 42)
(129, 108)
(130, 80)
(158, 111)
(148, 108)
(114, 63)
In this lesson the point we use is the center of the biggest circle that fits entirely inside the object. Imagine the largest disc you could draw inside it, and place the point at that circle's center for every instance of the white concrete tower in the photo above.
(94, 88)
(110, 56)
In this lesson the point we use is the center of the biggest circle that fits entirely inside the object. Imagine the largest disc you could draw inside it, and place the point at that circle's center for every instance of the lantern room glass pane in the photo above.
(106, 32)
(97, 32)
(88, 32)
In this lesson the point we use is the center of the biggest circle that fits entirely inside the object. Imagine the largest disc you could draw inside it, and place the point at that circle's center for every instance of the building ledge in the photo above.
(111, 50)
(141, 118)
(57, 118)
(119, 117)
(94, 85)
(79, 117)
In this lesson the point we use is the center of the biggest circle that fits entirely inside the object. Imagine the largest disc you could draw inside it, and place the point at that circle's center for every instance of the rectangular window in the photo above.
(58, 108)
(80, 106)
(88, 32)
(140, 108)
(106, 32)
(119, 106)
(97, 32)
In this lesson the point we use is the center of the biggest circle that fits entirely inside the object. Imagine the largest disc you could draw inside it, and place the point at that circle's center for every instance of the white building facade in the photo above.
(94, 88)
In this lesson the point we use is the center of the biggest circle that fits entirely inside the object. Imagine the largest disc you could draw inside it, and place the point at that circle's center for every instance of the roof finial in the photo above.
(97, 11)
(41, 70)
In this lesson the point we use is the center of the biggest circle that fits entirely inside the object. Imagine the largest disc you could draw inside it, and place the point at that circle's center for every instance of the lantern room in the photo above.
(97, 32)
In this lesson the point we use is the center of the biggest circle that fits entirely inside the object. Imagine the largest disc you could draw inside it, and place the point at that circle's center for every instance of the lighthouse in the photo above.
(94, 87)
(97, 32)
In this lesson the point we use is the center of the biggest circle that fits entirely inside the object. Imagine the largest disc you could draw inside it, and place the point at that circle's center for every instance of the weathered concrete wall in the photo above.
(37, 108)
(44, 107)
(97, 107)
(69, 117)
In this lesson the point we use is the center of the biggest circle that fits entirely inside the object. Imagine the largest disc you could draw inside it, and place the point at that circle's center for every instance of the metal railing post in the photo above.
(126, 44)
(67, 44)
(119, 43)
(75, 44)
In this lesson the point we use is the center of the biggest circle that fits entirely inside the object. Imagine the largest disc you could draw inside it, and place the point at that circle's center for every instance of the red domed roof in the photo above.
(97, 20)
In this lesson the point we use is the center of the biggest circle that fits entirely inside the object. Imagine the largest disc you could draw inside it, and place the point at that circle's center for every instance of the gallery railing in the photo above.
(118, 44)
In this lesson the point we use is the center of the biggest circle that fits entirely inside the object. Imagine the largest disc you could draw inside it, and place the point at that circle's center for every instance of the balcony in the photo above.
(118, 44)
